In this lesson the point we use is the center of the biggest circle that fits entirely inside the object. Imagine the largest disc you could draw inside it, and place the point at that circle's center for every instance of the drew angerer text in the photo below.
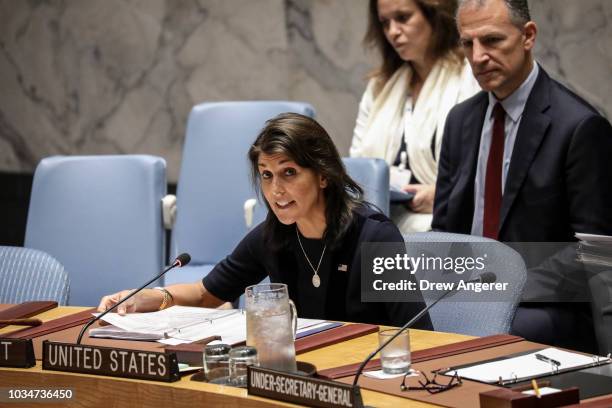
(424, 285)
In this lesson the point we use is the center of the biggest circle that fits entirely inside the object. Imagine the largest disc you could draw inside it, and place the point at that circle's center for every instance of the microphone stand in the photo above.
(486, 277)
(95, 319)
(400, 331)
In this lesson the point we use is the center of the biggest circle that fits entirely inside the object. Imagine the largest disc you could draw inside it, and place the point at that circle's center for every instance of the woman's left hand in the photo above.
(423, 197)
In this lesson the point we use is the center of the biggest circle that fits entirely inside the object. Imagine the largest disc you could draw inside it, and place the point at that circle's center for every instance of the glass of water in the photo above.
(239, 359)
(216, 361)
(395, 357)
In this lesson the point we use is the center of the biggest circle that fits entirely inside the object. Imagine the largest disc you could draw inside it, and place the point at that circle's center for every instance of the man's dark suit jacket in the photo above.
(560, 176)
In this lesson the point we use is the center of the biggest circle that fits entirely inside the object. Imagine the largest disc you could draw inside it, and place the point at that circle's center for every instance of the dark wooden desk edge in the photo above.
(129, 393)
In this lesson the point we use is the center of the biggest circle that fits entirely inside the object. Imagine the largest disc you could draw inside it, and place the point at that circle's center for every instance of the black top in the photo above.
(339, 295)
(335, 292)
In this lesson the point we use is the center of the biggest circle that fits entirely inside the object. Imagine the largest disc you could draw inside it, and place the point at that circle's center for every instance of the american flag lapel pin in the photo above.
(343, 267)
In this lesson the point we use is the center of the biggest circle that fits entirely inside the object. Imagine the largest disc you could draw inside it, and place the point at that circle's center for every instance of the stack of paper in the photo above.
(595, 249)
(182, 324)
(114, 332)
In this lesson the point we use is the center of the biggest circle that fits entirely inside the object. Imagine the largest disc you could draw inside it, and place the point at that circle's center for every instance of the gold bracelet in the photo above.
(167, 300)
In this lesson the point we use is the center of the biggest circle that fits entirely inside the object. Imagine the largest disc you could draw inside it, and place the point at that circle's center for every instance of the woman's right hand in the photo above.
(143, 301)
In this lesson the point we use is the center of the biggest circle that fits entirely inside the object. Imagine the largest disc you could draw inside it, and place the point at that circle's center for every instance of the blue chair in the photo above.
(480, 316)
(373, 176)
(100, 216)
(28, 275)
(214, 181)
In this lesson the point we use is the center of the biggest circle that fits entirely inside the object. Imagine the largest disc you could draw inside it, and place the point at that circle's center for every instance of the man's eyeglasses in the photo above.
(431, 386)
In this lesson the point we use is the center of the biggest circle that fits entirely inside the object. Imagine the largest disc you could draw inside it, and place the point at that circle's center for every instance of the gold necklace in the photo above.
(316, 281)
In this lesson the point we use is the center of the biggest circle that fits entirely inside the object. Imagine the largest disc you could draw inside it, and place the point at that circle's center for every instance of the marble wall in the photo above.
(120, 76)
(575, 45)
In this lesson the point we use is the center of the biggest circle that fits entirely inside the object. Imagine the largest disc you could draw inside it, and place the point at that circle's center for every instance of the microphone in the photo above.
(180, 261)
(486, 277)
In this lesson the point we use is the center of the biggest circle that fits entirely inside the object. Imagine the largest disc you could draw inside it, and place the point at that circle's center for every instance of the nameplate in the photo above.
(309, 391)
(113, 362)
(16, 353)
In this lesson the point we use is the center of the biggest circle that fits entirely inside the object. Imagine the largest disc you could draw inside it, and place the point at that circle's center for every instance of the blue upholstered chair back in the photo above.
(373, 176)
(214, 180)
(100, 216)
(27, 275)
(477, 318)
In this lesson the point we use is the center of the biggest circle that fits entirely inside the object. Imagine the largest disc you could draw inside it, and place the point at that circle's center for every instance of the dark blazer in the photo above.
(252, 261)
(560, 176)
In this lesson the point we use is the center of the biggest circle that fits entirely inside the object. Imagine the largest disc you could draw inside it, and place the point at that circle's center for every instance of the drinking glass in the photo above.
(395, 357)
(216, 361)
(239, 359)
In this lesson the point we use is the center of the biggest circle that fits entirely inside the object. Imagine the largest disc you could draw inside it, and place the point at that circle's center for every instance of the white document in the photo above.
(380, 375)
(183, 324)
(526, 366)
(113, 332)
(543, 391)
(312, 324)
(602, 239)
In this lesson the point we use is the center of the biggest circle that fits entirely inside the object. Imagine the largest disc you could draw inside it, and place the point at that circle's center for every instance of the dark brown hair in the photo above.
(304, 141)
(440, 14)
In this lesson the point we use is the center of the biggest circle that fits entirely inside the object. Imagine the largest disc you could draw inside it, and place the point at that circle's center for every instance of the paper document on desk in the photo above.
(183, 324)
(594, 249)
(113, 332)
(594, 238)
(526, 366)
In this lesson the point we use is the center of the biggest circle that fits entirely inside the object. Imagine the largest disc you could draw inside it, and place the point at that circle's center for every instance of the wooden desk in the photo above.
(95, 391)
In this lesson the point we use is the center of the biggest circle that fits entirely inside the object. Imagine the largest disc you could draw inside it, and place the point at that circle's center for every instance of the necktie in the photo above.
(493, 178)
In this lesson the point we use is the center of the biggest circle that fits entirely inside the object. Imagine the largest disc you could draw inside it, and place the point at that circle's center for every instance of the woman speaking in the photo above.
(311, 239)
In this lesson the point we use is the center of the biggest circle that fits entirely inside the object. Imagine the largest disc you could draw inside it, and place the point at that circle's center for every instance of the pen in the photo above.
(534, 384)
(541, 384)
(542, 357)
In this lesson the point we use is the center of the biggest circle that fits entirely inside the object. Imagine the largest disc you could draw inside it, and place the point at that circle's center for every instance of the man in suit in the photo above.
(526, 160)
